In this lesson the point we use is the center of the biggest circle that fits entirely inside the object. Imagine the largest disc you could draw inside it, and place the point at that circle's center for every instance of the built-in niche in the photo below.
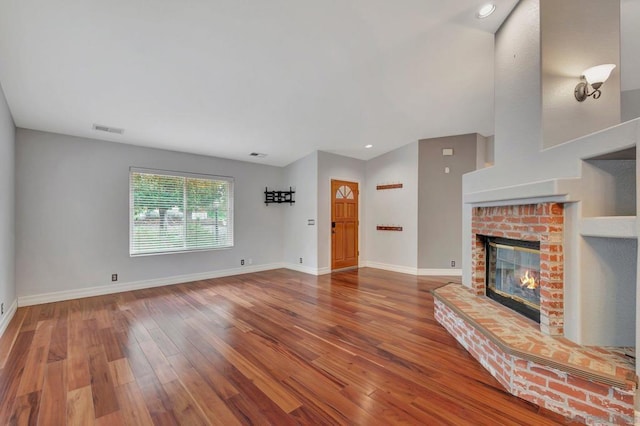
(608, 250)
(609, 183)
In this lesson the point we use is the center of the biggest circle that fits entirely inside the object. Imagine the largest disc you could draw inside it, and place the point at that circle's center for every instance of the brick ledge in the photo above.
(628, 380)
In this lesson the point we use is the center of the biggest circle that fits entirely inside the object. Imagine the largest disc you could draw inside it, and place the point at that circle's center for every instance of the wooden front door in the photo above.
(344, 224)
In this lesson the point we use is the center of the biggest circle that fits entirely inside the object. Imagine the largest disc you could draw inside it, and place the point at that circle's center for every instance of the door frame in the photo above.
(359, 206)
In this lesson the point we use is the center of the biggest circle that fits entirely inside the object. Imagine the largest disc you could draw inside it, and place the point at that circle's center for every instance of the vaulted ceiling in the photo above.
(231, 77)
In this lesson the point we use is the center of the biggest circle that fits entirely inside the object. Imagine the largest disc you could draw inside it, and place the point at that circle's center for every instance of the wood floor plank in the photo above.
(10, 335)
(158, 362)
(102, 385)
(121, 372)
(109, 341)
(184, 408)
(54, 394)
(276, 347)
(12, 374)
(58, 345)
(156, 399)
(110, 419)
(25, 410)
(262, 380)
(78, 375)
(213, 407)
(80, 410)
(33, 377)
(132, 406)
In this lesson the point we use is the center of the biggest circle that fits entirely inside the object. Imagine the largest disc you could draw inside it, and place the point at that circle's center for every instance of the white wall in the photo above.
(630, 44)
(608, 292)
(519, 157)
(72, 230)
(572, 41)
(518, 116)
(630, 104)
(332, 166)
(397, 250)
(7, 212)
(538, 66)
(300, 238)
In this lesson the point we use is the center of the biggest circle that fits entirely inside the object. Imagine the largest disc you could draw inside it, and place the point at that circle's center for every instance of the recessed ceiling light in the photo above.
(257, 154)
(368, 146)
(486, 10)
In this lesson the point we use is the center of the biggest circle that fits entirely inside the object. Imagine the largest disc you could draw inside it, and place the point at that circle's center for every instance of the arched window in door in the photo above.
(344, 192)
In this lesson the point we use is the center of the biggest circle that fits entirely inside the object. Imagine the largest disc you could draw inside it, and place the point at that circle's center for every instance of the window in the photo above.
(174, 212)
(344, 192)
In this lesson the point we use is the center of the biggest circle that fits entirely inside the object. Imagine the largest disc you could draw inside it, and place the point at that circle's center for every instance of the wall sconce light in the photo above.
(593, 78)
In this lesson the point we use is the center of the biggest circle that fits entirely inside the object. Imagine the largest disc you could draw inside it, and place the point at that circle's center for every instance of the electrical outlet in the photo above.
(300, 260)
(453, 263)
(114, 277)
(250, 261)
(1, 308)
(241, 262)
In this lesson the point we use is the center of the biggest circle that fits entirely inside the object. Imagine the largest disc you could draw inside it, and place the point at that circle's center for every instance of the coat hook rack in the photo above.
(279, 197)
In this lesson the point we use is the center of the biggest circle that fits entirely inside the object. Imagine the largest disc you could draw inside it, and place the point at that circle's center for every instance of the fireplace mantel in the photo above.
(551, 190)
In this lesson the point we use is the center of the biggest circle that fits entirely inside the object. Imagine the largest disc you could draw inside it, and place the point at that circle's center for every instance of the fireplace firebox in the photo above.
(513, 274)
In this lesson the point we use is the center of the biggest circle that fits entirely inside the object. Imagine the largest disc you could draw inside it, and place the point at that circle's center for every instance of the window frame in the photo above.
(186, 175)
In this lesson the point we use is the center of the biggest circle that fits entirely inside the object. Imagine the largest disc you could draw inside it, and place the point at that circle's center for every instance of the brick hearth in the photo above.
(593, 385)
(542, 222)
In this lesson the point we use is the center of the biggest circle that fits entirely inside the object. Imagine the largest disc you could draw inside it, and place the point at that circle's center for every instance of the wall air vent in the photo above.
(257, 155)
(101, 128)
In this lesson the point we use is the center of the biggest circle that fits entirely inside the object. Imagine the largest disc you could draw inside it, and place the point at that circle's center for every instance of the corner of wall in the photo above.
(7, 213)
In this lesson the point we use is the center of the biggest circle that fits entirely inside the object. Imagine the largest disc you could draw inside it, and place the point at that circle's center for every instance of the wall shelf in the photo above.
(389, 186)
(388, 228)
(609, 227)
(279, 197)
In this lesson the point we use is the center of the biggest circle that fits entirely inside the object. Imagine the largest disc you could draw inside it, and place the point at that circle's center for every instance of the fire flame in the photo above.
(528, 280)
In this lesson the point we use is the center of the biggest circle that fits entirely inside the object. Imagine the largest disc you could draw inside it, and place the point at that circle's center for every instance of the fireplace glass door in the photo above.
(513, 275)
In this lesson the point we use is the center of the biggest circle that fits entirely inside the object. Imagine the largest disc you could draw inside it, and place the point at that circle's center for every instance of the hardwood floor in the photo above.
(278, 347)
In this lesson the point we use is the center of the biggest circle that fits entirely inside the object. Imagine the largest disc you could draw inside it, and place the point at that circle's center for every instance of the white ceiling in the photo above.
(230, 77)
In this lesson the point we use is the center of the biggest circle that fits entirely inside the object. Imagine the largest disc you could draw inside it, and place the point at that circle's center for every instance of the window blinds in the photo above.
(176, 212)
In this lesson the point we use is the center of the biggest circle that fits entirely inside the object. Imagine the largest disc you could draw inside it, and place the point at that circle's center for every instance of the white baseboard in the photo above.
(307, 269)
(8, 315)
(324, 271)
(58, 296)
(138, 285)
(440, 272)
(387, 267)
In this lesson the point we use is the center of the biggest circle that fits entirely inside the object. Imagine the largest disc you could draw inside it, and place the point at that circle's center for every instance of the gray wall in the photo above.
(301, 239)
(630, 104)
(440, 199)
(576, 35)
(332, 166)
(7, 212)
(72, 230)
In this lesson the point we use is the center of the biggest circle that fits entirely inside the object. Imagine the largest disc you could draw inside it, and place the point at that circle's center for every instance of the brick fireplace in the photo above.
(589, 384)
(542, 222)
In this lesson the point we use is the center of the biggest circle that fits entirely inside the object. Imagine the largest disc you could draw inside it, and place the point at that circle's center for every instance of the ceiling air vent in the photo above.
(257, 155)
(101, 128)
